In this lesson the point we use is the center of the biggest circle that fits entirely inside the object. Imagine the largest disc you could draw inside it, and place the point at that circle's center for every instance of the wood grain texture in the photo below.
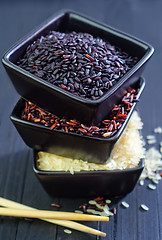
(140, 18)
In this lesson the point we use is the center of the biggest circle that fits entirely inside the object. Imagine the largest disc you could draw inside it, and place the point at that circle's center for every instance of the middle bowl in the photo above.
(69, 144)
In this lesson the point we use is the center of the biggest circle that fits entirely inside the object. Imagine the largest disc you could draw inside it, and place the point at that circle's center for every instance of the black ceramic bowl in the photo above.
(45, 95)
(92, 149)
(113, 183)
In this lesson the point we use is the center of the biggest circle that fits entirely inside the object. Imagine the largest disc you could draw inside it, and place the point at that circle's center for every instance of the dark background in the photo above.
(141, 18)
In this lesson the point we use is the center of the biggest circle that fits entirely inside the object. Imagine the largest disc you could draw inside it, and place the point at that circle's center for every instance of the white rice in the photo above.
(151, 186)
(158, 130)
(141, 182)
(151, 141)
(153, 162)
(144, 207)
(126, 153)
(67, 231)
(125, 204)
(150, 137)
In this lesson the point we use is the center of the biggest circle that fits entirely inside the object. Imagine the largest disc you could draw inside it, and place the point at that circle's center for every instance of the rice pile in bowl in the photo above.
(127, 152)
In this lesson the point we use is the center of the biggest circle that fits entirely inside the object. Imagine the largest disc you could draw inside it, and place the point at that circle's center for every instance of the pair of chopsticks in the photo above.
(14, 209)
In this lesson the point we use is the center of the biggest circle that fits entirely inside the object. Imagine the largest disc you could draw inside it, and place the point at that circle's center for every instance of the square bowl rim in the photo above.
(49, 21)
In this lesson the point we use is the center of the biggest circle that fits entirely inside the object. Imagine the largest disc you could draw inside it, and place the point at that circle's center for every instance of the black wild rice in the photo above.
(77, 62)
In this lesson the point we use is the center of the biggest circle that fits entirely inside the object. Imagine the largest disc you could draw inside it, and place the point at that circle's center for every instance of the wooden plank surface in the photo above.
(142, 19)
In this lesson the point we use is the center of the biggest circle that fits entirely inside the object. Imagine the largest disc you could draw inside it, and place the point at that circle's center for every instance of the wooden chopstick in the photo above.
(50, 214)
(65, 223)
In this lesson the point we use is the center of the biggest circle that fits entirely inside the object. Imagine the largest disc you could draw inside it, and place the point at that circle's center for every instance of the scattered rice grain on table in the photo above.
(158, 130)
(151, 141)
(155, 181)
(150, 137)
(125, 204)
(126, 153)
(144, 207)
(151, 186)
(98, 206)
(67, 231)
(141, 182)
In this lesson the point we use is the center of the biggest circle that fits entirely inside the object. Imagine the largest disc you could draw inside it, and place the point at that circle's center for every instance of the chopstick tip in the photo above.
(106, 219)
(103, 234)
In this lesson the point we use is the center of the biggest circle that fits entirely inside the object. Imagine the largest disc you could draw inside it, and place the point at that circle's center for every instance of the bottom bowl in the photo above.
(113, 183)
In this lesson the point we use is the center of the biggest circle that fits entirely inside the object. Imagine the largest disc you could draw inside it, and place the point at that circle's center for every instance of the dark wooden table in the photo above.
(140, 18)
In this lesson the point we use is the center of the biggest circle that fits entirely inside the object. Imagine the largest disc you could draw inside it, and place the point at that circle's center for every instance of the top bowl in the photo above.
(45, 94)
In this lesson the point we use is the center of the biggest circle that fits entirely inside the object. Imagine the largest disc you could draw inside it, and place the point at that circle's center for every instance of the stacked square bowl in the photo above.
(88, 111)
